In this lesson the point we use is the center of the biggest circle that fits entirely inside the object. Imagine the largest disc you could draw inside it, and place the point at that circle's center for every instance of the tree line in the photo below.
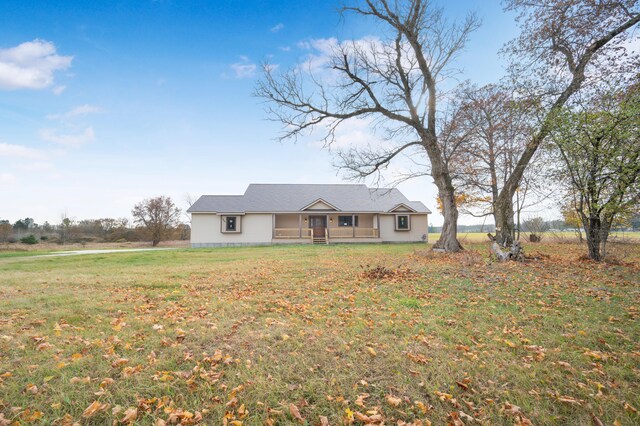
(154, 220)
(565, 116)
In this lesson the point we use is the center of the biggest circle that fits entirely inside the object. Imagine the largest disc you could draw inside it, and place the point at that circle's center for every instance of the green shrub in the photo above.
(29, 240)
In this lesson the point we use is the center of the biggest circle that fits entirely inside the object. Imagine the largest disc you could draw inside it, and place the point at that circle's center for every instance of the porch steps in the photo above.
(320, 240)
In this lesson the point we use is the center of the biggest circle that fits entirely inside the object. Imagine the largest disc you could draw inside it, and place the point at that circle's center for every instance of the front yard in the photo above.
(315, 335)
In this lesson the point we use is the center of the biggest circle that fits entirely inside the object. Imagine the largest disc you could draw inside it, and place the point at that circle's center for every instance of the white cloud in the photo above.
(36, 166)
(58, 90)
(75, 112)
(7, 178)
(19, 151)
(323, 49)
(31, 65)
(277, 28)
(245, 68)
(68, 140)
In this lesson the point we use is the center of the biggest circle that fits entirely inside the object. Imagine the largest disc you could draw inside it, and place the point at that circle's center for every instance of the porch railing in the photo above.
(341, 232)
(366, 233)
(292, 233)
(349, 232)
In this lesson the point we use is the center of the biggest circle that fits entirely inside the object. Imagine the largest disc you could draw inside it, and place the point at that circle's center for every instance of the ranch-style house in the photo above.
(307, 214)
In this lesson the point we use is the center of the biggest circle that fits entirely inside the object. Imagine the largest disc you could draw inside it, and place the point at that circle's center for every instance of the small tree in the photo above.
(64, 229)
(5, 230)
(600, 148)
(572, 218)
(536, 226)
(158, 216)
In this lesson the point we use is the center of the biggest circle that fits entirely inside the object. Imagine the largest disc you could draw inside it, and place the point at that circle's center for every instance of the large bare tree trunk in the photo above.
(503, 216)
(448, 240)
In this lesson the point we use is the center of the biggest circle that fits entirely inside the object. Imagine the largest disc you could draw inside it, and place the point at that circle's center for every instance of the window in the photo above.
(347, 220)
(230, 224)
(402, 223)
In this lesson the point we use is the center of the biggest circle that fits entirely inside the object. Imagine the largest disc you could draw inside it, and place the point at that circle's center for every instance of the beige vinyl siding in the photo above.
(256, 229)
(288, 221)
(418, 223)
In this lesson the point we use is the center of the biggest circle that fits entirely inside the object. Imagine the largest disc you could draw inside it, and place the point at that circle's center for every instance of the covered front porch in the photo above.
(310, 227)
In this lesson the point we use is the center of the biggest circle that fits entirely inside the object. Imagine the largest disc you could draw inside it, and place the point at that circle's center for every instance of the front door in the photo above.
(318, 224)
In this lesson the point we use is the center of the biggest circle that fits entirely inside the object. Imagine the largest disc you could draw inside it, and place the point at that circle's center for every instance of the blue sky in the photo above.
(105, 103)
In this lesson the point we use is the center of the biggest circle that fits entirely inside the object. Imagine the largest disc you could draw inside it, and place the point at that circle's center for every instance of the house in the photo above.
(307, 214)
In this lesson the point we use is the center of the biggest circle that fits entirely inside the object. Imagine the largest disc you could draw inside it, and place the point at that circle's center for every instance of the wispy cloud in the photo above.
(75, 112)
(68, 140)
(7, 178)
(31, 65)
(19, 151)
(277, 27)
(36, 166)
(245, 68)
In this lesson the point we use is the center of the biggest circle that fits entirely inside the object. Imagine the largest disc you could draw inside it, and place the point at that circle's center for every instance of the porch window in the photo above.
(347, 220)
(230, 224)
(402, 222)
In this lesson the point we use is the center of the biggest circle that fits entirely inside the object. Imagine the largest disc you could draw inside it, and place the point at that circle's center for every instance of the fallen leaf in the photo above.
(360, 399)
(628, 407)
(393, 400)
(596, 421)
(569, 400)
(130, 415)
(94, 408)
(119, 362)
(295, 412)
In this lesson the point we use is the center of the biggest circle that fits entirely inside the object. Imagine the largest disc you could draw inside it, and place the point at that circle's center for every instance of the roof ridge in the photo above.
(309, 184)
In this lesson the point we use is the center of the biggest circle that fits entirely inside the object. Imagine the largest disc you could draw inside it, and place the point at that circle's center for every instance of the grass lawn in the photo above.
(315, 335)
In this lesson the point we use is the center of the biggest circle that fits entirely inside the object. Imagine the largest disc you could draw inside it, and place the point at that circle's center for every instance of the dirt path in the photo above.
(100, 251)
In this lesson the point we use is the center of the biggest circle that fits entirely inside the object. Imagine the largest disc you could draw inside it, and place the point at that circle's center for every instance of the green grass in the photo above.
(244, 333)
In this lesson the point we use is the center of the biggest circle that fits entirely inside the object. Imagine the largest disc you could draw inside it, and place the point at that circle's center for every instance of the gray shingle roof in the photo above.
(279, 198)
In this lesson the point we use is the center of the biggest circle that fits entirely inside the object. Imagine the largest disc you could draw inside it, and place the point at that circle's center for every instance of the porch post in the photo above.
(353, 225)
(299, 226)
(375, 226)
(273, 226)
(326, 224)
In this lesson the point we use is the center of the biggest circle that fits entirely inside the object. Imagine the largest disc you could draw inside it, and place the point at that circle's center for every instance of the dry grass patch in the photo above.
(306, 335)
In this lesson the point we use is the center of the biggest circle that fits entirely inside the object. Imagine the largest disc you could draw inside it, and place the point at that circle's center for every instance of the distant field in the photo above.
(564, 236)
(345, 334)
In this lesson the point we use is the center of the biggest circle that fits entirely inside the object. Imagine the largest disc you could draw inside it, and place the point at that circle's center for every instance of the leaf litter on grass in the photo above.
(291, 338)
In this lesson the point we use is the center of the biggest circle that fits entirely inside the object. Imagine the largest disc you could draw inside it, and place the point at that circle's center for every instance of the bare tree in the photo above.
(158, 215)
(564, 45)
(392, 81)
(487, 130)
